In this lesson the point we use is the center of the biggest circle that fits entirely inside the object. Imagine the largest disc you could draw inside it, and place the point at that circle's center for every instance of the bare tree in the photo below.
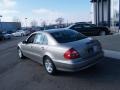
(34, 23)
(16, 19)
(60, 20)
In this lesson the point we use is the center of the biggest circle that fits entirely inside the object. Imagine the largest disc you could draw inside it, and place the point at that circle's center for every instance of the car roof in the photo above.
(52, 30)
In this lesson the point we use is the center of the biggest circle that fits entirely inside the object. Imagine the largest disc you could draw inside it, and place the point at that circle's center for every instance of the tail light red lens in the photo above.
(71, 54)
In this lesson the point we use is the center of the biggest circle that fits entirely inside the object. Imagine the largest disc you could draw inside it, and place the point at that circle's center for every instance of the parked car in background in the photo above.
(1, 35)
(19, 33)
(61, 49)
(27, 32)
(90, 29)
(9, 32)
(6, 35)
(33, 30)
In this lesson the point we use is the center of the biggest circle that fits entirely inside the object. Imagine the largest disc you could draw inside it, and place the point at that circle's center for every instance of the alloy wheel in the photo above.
(20, 53)
(48, 66)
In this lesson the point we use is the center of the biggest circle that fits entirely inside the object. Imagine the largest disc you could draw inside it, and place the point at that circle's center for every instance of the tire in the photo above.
(21, 56)
(102, 33)
(49, 66)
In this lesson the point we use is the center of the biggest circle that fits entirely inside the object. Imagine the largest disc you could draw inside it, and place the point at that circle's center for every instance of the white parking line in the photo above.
(112, 54)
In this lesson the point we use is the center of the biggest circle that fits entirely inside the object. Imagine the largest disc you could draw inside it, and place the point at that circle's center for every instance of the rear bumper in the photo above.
(77, 66)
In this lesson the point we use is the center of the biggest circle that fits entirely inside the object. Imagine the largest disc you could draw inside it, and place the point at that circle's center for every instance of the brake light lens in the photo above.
(71, 54)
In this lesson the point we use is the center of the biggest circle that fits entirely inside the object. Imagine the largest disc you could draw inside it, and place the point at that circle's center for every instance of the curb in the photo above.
(112, 54)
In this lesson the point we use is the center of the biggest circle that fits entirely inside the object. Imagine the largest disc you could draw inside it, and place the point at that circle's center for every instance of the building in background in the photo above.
(106, 12)
(92, 14)
(10, 26)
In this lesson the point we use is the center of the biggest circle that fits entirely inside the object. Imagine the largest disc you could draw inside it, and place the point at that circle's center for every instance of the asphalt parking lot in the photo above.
(28, 75)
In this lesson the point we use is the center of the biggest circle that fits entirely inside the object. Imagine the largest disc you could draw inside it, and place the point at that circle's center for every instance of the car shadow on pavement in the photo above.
(108, 69)
(91, 71)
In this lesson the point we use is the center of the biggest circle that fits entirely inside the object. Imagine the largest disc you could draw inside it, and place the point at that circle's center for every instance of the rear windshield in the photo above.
(67, 36)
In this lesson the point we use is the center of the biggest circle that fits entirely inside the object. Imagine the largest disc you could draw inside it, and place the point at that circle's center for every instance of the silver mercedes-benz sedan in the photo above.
(61, 49)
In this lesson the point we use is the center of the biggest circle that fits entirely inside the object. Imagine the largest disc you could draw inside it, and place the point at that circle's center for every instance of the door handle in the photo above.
(42, 48)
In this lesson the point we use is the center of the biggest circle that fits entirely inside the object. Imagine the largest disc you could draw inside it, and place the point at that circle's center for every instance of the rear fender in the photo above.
(47, 54)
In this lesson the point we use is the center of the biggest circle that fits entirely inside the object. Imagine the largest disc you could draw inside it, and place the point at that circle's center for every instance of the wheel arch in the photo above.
(47, 55)
(18, 47)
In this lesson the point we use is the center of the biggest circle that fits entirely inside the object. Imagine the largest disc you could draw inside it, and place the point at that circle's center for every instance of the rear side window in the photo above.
(87, 25)
(45, 40)
(39, 39)
(67, 36)
(78, 26)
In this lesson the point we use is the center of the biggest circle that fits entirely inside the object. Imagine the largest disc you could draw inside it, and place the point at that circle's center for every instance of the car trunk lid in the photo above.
(86, 47)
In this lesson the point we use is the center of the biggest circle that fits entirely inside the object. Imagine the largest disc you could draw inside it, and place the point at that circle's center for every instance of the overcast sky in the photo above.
(45, 10)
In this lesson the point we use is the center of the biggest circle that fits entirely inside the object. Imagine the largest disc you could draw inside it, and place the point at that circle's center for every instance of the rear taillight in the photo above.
(71, 54)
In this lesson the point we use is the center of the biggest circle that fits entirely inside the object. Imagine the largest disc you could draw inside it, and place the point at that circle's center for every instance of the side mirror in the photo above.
(24, 42)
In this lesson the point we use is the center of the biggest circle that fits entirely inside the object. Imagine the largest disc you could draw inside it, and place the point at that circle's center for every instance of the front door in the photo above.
(27, 48)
